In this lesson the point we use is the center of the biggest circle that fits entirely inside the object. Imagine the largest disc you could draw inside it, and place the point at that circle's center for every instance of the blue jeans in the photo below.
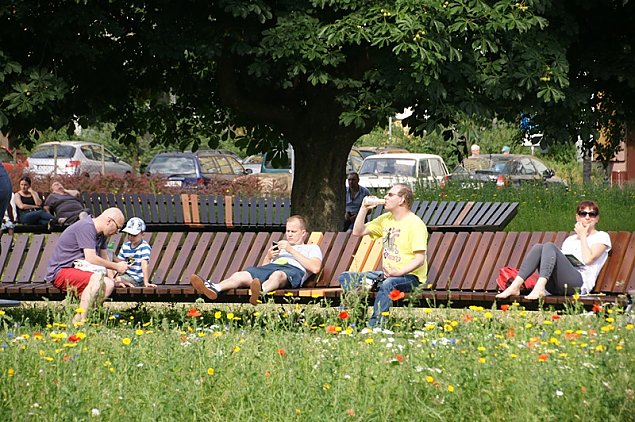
(5, 191)
(351, 280)
(36, 217)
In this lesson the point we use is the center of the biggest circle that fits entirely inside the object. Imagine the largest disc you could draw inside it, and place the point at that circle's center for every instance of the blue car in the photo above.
(190, 169)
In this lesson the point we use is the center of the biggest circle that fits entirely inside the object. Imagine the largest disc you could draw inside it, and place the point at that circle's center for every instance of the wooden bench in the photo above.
(454, 216)
(160, 212)
(462, 266)
(175, 256)
(187, 212)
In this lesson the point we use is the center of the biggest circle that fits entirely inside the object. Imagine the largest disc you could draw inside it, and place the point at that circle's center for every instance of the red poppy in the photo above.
(400, 358)
(343, 315)
(555, 317)
(282, 353)
(350, 412)
(331, 329)
(74, 338)
(543, 357)
(467, 318)
(396, 295)
(571, 336)
(504, 308)
(511, 333)
(267, 374)
(193, 312)
(597, 308)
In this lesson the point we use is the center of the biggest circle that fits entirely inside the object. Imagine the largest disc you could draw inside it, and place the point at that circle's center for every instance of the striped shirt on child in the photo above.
(134, 256)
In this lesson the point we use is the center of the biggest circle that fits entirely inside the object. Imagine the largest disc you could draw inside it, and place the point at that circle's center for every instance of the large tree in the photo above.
(317, 74)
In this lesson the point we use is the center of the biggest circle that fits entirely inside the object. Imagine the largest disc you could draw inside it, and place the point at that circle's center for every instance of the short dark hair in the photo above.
(588, 204)
(26, 179)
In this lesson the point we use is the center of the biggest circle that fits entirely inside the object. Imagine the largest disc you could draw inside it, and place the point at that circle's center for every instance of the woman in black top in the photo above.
(29, 205)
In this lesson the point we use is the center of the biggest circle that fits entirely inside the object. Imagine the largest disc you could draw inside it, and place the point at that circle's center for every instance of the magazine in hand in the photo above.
(82, 264)
(574, 261)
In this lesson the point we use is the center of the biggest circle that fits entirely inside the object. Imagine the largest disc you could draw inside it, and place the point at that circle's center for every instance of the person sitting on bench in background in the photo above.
(287, 263)
(28, 205)
(65, 204)
(558, 272)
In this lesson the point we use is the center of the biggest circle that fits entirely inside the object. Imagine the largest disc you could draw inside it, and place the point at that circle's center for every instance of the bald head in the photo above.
(110, 221)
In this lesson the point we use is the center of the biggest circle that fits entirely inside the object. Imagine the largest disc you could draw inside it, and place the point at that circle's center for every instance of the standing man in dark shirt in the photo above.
(355, 194)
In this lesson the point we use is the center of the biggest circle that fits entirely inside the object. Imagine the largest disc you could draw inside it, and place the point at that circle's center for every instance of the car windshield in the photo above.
(48, 151)
(172, 166)
(389, 166)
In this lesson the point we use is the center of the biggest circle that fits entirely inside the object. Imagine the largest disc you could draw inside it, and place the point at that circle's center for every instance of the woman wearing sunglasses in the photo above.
(574, 267)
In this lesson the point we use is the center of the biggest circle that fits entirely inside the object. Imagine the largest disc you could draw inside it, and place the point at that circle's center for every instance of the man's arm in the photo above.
(359, 227)
(312, 265)
(102, 259)
(72, 192)
(417, 261)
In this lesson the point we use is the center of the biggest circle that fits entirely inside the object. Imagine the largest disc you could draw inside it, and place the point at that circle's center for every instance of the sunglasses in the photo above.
(116, 225)
(591, 214)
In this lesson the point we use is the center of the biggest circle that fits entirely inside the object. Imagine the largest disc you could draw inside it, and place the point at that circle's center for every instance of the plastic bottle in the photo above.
(111, 250)
(374, 201)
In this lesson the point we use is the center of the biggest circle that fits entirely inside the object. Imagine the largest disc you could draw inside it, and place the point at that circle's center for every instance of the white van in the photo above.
(382, 171)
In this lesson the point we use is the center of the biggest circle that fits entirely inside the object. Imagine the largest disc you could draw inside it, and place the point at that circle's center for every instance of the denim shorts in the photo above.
(294, 274)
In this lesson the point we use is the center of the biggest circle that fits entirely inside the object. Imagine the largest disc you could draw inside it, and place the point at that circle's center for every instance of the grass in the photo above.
(315, 363)
(550, 209)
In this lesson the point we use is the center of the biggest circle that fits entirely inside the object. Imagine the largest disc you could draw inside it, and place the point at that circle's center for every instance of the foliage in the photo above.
(318, 73)
(310, 363)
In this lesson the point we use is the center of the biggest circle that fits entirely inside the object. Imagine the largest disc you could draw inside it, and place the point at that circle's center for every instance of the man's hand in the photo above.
(120, 267)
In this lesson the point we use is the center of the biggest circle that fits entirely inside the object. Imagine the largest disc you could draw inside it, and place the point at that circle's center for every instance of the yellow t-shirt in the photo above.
(401, 239)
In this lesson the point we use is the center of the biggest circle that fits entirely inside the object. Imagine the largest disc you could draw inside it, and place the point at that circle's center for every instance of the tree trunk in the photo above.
(319, 182)
(586, 166)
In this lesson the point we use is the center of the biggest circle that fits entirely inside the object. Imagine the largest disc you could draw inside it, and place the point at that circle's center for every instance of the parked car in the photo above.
(504, 170)
(12, 158)
(353, 163)
(75, 158)
(381, 171)
(192, 169)
(253, 162)
(368, 151)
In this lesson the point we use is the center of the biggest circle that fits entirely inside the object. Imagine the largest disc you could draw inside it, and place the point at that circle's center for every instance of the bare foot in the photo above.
(535, 295)
(510, 291)
(255, 288)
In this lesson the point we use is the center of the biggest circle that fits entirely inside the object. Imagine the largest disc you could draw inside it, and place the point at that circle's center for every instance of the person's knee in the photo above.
(550, 247)
(537, 247)
(278, 276)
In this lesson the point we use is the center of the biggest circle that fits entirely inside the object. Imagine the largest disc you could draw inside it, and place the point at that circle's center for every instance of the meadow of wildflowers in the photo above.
(316, 363)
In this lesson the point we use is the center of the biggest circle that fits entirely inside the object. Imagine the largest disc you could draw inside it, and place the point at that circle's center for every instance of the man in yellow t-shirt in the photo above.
(405, 239)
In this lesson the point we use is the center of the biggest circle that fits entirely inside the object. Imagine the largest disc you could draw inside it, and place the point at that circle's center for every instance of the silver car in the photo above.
(75, 158)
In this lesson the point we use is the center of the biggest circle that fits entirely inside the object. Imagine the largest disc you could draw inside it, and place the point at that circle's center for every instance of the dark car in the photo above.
(504, 170)
(192, 169)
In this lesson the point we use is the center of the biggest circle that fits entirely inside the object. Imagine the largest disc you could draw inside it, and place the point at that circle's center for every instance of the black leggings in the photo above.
(562, 277)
